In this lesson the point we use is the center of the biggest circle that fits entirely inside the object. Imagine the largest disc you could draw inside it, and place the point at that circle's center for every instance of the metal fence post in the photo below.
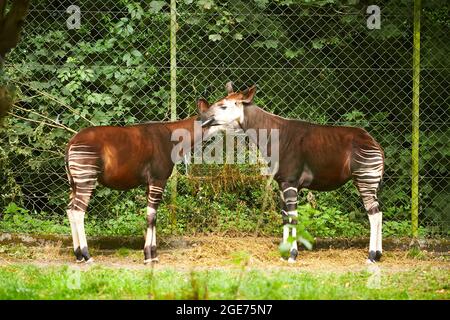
(173, 96)
(415, 121)
(173, 60)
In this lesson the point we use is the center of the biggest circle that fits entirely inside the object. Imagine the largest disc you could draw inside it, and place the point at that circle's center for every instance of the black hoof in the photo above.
(293, 255)
(90, 261)
(378, 256)
(85, 254)
(372, 256)
(78, 255)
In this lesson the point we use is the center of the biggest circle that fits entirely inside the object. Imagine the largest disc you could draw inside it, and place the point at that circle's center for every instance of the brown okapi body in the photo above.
(312, 156)
(122, 158)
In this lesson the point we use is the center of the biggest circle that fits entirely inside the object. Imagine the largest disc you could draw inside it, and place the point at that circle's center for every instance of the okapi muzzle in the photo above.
(228, 113)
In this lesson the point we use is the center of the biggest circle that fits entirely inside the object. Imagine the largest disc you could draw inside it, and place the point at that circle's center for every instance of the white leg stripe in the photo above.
(285, 233)
(294, 235)
(148, 237)
(73, 228)
(153, 243)
(374, 221)
(379, 233)
(78, 218)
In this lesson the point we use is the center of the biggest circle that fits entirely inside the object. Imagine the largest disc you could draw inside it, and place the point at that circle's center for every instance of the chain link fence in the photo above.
(322, 61)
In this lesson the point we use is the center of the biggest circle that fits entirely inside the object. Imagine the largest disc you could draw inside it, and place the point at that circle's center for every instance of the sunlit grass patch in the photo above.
(97, 282)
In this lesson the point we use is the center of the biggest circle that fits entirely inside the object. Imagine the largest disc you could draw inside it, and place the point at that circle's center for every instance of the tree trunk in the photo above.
(10, 25)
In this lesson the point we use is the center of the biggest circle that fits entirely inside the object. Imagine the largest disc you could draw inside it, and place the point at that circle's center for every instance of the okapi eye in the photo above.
(223, 107)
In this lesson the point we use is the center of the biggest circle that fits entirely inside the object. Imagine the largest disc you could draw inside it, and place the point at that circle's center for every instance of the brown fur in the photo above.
(134, 155)
(318, 157)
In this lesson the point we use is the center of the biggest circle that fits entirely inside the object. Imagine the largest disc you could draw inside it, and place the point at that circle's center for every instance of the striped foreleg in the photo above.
(290, 215)
(154, 197)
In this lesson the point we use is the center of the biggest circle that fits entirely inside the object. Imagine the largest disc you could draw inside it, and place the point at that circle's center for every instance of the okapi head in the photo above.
(228, 112)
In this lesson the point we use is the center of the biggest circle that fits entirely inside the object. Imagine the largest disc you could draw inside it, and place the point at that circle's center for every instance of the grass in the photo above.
(23, 281)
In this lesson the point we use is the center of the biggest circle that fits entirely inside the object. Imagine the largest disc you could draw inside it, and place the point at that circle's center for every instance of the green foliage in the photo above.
(330, 222)
(194, 215)
(416, 253)
(17, 219)
(284, 249)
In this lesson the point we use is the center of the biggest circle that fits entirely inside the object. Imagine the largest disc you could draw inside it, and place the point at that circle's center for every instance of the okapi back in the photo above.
(319, 157)
(130, 156)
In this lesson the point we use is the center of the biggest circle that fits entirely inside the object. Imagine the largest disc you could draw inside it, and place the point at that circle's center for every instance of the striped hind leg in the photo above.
(82, 171)
(367, 178)
(73, 227)
(76, 215)
(154, 197)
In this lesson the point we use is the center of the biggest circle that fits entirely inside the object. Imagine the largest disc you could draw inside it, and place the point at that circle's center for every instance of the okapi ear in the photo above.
(229, 87)
(248, 94)
(202, 105)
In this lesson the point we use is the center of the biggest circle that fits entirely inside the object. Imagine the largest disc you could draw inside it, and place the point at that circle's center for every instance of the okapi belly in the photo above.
(319, 183)
(121, 181)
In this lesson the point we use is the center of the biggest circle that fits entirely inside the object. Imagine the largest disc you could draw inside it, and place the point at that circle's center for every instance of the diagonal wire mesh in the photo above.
(311, 60)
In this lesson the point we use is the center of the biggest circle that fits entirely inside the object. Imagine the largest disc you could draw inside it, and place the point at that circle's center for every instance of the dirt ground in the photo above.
(226, 252)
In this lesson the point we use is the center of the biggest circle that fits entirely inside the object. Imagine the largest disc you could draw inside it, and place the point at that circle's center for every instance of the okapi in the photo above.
(123, 158)
(311, 156)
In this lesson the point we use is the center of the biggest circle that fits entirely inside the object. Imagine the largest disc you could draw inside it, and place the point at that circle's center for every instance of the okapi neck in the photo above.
(257, 118)
(189, 125)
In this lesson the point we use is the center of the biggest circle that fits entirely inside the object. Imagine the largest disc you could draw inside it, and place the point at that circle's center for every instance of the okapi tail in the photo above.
(69, 176)
(382, 173)
(382, 169)
(66, 163)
